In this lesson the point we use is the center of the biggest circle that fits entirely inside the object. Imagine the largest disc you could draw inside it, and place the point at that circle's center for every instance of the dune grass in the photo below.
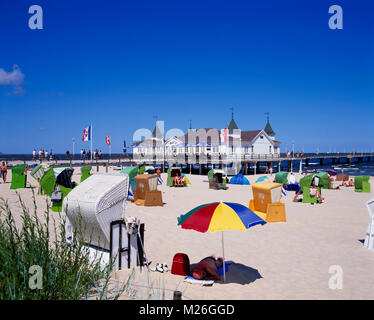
(67, 272)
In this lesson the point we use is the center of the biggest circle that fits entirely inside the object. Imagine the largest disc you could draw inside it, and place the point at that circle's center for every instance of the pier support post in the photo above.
(246, 168)
(200, 169)
(279, 166)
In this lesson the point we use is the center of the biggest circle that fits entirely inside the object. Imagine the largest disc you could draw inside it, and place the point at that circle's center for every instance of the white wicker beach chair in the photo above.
(369, 239)
(99, 200)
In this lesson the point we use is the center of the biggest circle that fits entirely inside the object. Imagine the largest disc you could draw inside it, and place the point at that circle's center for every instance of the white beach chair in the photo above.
(99, 201)
(369, 239)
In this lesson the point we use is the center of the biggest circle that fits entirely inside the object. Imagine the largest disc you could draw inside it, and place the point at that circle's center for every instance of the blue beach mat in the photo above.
(191, 279)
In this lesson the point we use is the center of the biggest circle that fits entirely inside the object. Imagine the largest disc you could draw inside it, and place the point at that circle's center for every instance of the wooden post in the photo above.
(97, 166)
(177, 295)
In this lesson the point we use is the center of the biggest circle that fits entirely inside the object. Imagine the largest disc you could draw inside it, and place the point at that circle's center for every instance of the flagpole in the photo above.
(223, 256)
(91, 140)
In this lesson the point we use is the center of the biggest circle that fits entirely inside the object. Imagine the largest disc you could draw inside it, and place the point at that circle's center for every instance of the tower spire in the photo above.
(267, 116)
(232, 113)
(268, 129)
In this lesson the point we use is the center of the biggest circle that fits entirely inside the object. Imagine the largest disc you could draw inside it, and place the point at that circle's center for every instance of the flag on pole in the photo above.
(107, 139)
(87, 134)
(124, 146)
(159, 180)
(130, 194)
(284, 192)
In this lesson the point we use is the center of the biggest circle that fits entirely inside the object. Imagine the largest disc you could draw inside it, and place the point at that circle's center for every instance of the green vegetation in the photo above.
(67, 270)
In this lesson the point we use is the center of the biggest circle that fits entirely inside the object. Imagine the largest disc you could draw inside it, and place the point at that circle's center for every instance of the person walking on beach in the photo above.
(84, 155)
(4, 170)
(34, 154)
(81, 154)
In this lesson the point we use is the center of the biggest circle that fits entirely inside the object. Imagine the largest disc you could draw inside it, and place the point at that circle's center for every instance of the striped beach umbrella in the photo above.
(220, 216)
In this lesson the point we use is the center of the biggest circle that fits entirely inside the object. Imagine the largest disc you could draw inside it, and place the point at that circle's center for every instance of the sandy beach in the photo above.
(288, 260)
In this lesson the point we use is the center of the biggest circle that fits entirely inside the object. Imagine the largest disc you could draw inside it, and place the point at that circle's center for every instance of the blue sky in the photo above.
(118, 64)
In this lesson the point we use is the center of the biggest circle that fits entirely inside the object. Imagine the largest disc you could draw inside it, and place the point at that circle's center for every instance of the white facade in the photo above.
(215, 145)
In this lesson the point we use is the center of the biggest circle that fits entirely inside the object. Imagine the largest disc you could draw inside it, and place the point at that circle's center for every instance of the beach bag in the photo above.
(56, 195)
(181, 264)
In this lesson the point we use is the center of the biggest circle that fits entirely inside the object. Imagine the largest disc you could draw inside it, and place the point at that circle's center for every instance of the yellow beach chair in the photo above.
(266, 201)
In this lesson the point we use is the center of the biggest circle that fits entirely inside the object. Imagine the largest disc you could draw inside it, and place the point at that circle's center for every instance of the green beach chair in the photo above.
(63, 179)
(216, 181)
(37, 172)
(281, 177)
(305, 187)
(132, 172)
(47, 182)
(85, 172)
(18, 176)
(362, 184)
(171, 174)
(324, 181)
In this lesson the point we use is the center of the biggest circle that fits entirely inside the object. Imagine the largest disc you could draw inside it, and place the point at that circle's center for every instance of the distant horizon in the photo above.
(123, 65)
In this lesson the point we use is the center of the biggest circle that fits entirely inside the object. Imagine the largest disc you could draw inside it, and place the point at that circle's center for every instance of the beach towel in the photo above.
(191, 279)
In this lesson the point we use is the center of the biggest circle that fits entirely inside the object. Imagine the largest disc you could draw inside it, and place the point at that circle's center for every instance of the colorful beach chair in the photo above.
(267, 203)
(324, 181)
(362, 184)
(281, 177)
(19, 177)
(216, 181)
(305, 184)
(172, 172)
(37, 172)
(57, 176)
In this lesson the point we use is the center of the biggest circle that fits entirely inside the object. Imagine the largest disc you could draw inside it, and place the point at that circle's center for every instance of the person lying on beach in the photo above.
(349, 184)
(207, 268)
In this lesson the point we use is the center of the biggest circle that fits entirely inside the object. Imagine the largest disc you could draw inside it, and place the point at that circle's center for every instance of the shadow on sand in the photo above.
(241, 274)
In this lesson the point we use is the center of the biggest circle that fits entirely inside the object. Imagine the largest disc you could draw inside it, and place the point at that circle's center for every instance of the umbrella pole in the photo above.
(223, 256)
